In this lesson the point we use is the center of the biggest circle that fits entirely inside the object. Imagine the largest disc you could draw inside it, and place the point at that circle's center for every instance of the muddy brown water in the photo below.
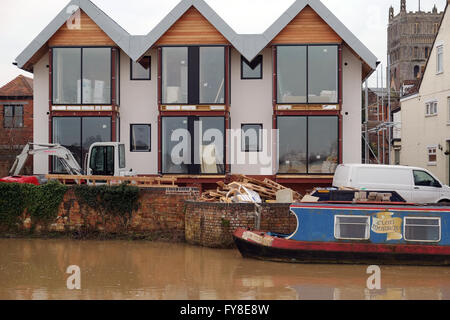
(36, 269)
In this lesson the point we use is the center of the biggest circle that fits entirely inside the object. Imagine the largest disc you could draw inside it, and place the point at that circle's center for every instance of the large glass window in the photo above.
(67, 132)
(292, 145)
(66, 76)
(212, 75)
(322, 144)
(322, 74)
(176, 142)
(78, 134)
(96, 75)
(193, 75)
(211, 150)
(291, 74)
(81, 76)
(175, 75)
(193, 145)
(307, 74)
(307, 145)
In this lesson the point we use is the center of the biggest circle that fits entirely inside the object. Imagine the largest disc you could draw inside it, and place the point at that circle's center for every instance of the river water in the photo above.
(36, 269)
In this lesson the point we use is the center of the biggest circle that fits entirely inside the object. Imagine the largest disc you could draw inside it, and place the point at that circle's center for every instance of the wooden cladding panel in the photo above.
(192, 28)
(89, 34)
(307, 27)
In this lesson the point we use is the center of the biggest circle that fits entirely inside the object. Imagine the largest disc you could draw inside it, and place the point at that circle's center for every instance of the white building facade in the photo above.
(196, 100)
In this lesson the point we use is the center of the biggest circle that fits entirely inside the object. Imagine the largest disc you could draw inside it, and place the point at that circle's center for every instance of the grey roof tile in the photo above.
(247, 45)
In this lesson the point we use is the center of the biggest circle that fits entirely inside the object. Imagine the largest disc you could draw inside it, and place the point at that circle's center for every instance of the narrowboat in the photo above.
(380, 234)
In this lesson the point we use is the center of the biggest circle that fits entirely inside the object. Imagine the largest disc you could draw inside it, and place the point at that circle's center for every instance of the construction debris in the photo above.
(246, 189)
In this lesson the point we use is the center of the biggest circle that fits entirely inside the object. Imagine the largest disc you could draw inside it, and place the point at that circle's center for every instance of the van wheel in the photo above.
(445, 203)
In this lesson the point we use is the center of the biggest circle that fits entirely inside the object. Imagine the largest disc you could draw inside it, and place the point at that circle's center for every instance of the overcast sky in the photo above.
(22, 20)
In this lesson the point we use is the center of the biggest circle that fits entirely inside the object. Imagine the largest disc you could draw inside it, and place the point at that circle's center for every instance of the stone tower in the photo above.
(410, 38)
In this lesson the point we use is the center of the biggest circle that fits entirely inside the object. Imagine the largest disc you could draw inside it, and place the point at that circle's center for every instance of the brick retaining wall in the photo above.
(213, 224)
(160, 215)
(165, 214)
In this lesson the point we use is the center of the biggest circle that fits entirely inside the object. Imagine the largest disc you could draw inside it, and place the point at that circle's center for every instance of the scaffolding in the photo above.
(384, 124)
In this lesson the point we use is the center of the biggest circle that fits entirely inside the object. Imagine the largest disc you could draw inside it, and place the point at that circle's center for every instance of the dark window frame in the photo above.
(149, 70)
(307, 142)
(131, 137)
(260, 62)
(52, 133)
(412, 225)
(338, 224)
(193, 89)
(190, 129)
(13, 117)
(260, 138)
(106, 153)
(338, 65)
(435, 182)
(113, 63)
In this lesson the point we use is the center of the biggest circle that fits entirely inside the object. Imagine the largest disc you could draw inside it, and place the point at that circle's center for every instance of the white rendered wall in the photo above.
(251, 103)
(139, 105)
(351, 107)
(41, 108)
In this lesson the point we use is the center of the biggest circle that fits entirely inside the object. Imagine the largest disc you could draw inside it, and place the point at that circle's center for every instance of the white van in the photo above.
(415, 185)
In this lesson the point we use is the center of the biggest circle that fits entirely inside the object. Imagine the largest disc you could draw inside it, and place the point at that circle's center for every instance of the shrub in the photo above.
(41, 202)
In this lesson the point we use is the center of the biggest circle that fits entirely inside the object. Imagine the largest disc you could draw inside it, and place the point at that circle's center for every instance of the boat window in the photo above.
(423, 229)
(352, 227)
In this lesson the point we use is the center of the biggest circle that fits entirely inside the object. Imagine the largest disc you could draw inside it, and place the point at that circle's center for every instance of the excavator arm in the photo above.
(63, 154)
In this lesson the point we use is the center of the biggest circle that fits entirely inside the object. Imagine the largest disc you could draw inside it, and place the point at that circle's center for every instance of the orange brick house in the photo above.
(16, 121)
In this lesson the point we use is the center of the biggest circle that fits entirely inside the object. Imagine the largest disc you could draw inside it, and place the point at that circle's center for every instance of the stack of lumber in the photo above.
(141, 182)
(266, 189)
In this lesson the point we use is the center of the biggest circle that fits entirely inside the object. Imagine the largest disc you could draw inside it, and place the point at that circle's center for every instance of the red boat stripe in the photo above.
(354, 247)
(392, 208)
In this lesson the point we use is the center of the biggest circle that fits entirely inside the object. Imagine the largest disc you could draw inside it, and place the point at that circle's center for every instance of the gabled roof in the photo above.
(21, 86)
(109, 26)
(249, 45)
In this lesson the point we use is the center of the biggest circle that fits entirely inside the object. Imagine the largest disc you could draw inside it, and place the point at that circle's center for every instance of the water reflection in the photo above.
(35, 269)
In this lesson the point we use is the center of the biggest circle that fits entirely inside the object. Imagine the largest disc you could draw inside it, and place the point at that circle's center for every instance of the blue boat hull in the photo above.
(389, 234)
(300, 253)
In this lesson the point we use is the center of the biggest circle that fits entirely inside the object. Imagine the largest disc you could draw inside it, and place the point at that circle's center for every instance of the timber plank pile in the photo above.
(267, 190)
(141, 182)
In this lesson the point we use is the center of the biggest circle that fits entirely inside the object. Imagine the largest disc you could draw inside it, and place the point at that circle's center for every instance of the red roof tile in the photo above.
(19, 87)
